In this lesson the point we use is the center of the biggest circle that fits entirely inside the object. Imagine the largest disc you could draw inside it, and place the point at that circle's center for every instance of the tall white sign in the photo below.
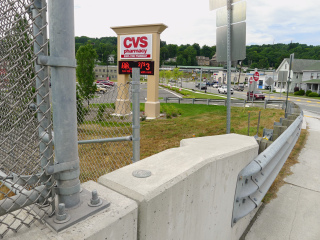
(136, 46)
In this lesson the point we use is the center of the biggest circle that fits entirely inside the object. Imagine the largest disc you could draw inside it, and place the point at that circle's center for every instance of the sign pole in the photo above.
(288, 81)
(228, 66)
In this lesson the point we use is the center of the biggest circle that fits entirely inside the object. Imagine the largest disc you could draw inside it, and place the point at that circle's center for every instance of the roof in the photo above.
(315, 66)
(317, 81)
(298, 65)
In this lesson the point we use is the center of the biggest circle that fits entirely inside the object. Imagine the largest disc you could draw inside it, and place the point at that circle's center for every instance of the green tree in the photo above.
(162, 75)
(86, 57)
(196, 47)
(206, 51)
(168, 75)
(176, 73)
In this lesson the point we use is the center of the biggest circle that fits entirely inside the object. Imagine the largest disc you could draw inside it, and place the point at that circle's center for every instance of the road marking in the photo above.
(298, 100)
(308, 101)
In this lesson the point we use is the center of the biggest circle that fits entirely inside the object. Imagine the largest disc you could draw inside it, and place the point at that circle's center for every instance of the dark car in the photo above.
(203, 86)
(239, 87)
(257, 95)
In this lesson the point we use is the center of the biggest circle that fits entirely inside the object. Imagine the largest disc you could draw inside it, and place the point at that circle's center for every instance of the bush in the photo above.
(170, 111)
(81, 110)
(299, 93)
(308, 92)
(101, 111)
(313, 94)
(296, 89)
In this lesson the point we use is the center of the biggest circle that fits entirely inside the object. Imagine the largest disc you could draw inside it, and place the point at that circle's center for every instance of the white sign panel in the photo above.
(214, 4)
(136, 46)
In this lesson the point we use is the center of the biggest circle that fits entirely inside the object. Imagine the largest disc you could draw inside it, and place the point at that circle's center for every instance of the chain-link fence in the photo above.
(104, 130)
(27, 165)
(25, 119)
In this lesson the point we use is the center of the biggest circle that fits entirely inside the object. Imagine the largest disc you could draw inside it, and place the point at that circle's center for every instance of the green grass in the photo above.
(200, 120)
(107, 124)
(97, 105)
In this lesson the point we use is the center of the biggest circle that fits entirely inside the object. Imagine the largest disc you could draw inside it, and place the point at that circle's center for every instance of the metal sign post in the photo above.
(229, 66)
(288, 81)
(270, 82)
(231, 39)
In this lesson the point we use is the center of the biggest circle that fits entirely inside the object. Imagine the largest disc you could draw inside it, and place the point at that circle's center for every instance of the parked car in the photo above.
(106, 82)
(224, 89)
(101, 90)
(239, 87)
(201, 86)
(100, 85)
(215, 85)
(257, 95)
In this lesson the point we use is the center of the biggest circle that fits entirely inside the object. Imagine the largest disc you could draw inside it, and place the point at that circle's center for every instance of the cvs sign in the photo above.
(136, 46)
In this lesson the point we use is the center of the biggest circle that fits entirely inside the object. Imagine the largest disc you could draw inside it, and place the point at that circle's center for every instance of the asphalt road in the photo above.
(307, 104)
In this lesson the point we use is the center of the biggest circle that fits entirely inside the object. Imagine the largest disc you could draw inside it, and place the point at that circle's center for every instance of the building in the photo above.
(174, 59)
(103, 72)
(111, 59)
(305, 74)
(213, 61)
(311, 78)
(203, 61)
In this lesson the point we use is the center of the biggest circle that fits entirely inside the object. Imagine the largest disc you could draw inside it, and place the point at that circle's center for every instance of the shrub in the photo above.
(170, 111)
(81, 110)
(313, 94)
(101, 111)
(308, 92)
(299, 93)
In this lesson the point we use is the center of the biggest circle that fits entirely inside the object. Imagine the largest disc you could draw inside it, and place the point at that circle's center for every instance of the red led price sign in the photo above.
(146, 67)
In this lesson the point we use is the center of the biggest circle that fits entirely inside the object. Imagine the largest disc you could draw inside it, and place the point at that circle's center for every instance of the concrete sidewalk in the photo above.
(295, 213)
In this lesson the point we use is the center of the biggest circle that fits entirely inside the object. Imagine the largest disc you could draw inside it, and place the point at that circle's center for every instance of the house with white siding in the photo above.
(305, 74)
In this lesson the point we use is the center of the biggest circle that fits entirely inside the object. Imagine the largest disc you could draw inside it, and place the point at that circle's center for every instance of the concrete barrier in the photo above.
(188, 196)
(190, 192)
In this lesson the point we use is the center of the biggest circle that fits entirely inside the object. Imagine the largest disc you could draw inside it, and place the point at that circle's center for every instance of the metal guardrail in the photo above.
(223, 101)
(256, 178)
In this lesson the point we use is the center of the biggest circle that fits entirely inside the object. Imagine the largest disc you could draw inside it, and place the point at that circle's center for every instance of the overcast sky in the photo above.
(190, 21)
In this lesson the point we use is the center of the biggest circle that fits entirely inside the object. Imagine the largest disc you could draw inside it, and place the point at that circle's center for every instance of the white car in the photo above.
(100, 85)
(223, 89)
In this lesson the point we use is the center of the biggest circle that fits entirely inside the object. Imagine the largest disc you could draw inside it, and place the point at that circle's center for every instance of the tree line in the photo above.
(258, 56)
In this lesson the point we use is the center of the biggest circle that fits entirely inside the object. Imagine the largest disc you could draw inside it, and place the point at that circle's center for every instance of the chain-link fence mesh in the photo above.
(24, 116)
(26, 139)
(106, 115)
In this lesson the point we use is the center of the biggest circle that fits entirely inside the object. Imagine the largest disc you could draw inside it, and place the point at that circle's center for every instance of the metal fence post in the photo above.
(62, 56)
(42, 85)
(136, 113)
(249, 123)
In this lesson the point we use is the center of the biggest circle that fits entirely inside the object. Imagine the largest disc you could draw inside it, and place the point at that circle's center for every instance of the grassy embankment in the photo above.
(187, 121)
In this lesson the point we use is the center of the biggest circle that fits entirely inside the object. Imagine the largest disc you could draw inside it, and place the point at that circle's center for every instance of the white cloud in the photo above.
(191, 21)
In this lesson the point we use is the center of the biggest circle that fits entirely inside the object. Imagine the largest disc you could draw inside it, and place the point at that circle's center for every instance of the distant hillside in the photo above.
(264, 56)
